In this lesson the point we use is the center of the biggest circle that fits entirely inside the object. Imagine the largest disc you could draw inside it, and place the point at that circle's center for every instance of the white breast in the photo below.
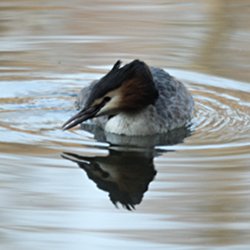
(146, 122)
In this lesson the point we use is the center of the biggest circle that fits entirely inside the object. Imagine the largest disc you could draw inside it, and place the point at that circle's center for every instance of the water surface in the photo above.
(71, 190)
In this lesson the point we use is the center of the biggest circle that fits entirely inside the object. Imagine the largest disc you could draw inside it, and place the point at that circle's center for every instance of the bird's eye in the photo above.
(106, 99)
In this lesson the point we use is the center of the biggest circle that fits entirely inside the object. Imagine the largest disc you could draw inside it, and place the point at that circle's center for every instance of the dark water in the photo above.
(59, 190)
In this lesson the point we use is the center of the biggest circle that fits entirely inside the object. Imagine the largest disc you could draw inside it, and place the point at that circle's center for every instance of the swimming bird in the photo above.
(134, 100)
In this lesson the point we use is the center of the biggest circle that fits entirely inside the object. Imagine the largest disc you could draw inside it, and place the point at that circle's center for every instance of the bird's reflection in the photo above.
(125, 175)
(127, 170)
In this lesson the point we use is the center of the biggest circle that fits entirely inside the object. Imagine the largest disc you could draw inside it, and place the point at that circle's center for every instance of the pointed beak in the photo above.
(75, 158)
(83, 115)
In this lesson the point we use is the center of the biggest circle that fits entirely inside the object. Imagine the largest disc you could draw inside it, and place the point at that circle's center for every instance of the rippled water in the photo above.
(73, 189)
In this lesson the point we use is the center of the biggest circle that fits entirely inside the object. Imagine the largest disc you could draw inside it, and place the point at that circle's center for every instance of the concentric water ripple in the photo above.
(220, 117)
(222, 112)
(33, 111)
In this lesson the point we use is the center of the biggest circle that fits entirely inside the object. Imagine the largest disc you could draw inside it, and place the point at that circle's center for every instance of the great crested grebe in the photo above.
(135, 100)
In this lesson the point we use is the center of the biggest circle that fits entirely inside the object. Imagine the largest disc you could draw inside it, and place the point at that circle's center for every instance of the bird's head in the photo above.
(123, 89)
